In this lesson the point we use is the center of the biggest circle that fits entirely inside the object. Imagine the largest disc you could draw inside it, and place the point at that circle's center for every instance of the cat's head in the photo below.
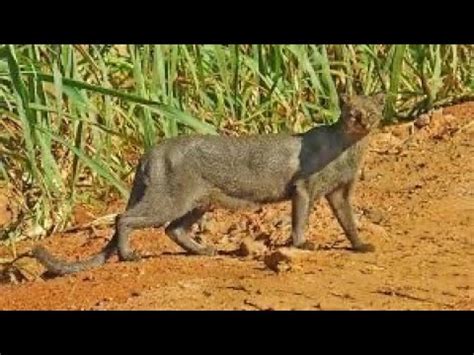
(360, 113)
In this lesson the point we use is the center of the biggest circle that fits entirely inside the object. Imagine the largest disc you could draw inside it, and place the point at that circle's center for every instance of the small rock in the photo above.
(374, 215)
(422, 121)
(284, 259)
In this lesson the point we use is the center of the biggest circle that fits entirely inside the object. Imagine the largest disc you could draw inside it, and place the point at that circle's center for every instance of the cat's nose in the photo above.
(355, 114)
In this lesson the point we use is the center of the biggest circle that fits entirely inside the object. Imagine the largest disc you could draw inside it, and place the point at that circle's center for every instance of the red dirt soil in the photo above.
(415, 203)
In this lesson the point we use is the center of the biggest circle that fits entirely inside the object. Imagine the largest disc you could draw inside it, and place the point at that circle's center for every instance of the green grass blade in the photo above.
(94, 164)
(395, 77)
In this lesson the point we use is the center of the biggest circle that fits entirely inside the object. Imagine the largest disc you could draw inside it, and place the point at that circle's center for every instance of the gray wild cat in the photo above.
(178, 179)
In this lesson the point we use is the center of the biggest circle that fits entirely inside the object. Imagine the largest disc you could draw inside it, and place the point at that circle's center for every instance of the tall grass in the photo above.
(75, 118)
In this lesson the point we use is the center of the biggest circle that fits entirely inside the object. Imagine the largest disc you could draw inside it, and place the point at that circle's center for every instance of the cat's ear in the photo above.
(380, 98)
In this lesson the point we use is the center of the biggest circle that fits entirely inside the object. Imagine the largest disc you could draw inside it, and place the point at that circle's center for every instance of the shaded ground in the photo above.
(415, 203)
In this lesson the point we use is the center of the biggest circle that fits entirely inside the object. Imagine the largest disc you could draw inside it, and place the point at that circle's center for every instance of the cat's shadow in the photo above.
(228, 253)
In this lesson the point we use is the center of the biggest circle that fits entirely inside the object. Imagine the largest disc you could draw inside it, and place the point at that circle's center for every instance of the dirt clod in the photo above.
(285, 259)
(252, 248)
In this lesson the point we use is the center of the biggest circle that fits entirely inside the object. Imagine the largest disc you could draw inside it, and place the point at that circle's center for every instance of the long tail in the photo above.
(60, 267)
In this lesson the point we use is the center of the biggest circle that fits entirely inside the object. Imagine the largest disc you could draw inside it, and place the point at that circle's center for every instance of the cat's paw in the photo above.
(207, 250)
(363, 248)
(131, 256)
(306, 246)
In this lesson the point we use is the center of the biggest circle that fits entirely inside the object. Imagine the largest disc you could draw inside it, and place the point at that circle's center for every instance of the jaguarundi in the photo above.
(178, 180)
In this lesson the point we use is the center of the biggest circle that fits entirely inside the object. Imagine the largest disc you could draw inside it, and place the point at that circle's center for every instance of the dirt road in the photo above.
(415, 204)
